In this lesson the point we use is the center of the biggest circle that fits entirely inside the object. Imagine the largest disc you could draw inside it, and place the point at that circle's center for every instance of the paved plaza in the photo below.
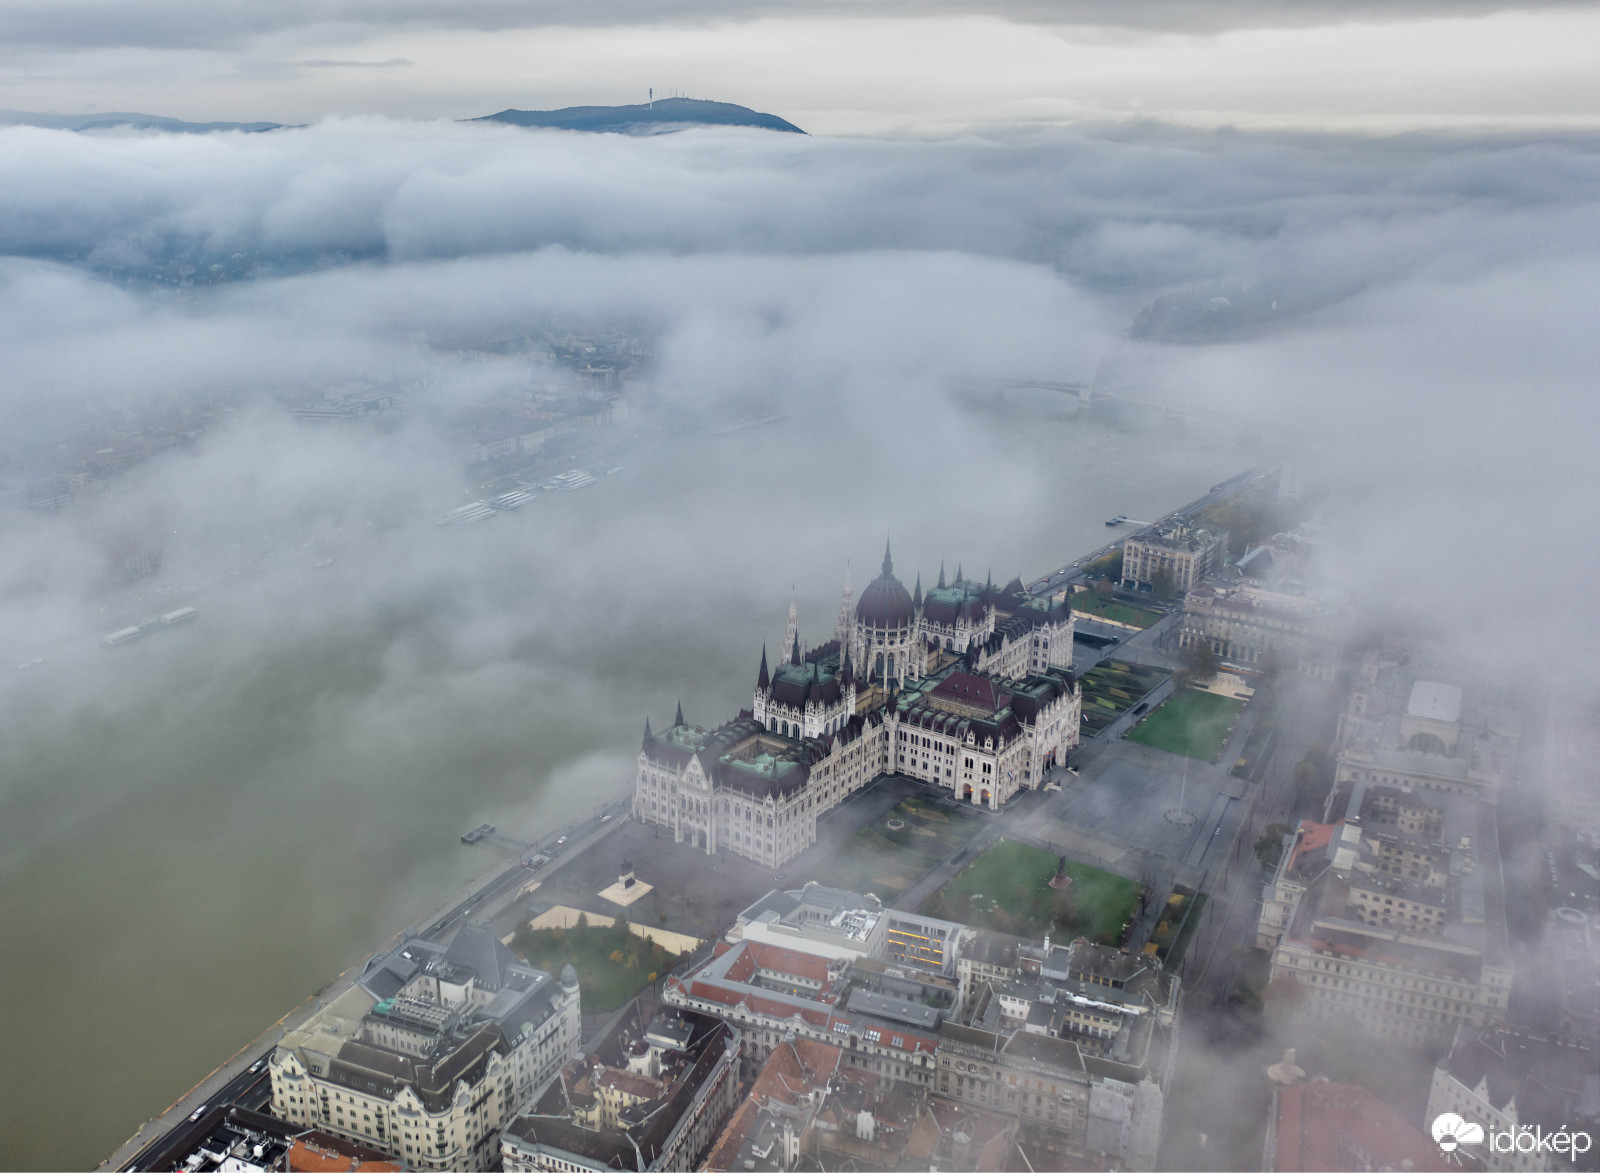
(692, 892)
(1126, 792)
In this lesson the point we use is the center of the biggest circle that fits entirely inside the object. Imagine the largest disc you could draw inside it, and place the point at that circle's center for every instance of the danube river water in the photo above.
(199, 829)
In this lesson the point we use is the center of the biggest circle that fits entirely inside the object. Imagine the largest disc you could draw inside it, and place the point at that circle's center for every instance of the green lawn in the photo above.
(1190, 722)
(1007, 889)
(1089, 603)
(612, 963)
(886, 862)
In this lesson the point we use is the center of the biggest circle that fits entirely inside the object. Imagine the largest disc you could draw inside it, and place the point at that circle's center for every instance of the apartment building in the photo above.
(652, 1094)
(430, 1052)
(1391, 918)
(1188, 554)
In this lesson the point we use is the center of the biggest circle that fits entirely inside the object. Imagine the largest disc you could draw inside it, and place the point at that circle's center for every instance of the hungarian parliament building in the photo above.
(968, 687)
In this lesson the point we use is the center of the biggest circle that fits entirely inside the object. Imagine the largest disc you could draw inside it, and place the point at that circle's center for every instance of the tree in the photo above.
(1163, 584)
(1109, 567)
(1269, 844)
(1283, 994)
(1305, 780)
(1200, 662)
(1246, 997)
(1102, 588)
(583, 920)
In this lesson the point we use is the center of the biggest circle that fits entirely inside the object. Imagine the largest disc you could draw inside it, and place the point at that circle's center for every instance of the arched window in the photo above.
(891, 663)
(1426, 743)
(877, 667)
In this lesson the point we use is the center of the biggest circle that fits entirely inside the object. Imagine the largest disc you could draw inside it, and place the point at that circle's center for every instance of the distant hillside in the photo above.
(655, 118)
(115, 120)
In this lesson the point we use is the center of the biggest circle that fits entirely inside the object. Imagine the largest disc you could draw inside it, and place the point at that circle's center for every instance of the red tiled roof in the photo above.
(305, 1157)
(971, 690)
(1312, 837)
(1325, 1126)
(790, 961)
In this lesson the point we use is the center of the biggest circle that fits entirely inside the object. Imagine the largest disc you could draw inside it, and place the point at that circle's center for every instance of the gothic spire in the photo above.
(678, 720)
(792, 633)
(846, 622)
(765, 679)
(648, 737)
(916, 595)
(888, 562)
(794, 655)
(941, 574)
(958, 574)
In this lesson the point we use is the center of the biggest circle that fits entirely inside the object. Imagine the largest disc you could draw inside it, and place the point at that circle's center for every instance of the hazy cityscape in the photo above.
(782, 588)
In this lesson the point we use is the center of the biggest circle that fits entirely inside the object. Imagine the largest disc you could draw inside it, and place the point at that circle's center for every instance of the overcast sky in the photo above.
(885, 68)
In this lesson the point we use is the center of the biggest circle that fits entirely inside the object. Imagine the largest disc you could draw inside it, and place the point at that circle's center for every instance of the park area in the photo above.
(1089, 603)
(888, 855)
(1190, 722)
(1007, 889)
(1111, 688)
(613, 963)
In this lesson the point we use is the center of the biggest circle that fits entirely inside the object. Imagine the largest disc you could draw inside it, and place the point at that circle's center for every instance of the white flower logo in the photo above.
(1451, 1131)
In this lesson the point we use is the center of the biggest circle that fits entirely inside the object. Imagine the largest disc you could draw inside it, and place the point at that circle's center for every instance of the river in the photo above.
(200, 828)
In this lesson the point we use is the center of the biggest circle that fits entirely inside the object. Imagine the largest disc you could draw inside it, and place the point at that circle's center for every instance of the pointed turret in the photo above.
(988, 582)
(846, 622)
(958, 574)
(648, 736)
(916, 595)
(941, 574)
(846, 672)
(792, 633)
(678, 720)
(764, 680)
(888, 562)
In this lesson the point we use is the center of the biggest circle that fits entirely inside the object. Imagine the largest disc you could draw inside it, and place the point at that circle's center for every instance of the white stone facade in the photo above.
(433, 1071)
(824, 723)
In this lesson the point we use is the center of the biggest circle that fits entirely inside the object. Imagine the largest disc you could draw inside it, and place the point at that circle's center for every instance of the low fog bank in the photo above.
(1407, 314)
(245, 801)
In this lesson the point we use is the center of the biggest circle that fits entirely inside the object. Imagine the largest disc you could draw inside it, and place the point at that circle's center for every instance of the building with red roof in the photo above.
(1321, 1126)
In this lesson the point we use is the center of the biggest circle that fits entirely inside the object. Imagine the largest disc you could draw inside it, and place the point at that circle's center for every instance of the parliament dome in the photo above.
(885, 602)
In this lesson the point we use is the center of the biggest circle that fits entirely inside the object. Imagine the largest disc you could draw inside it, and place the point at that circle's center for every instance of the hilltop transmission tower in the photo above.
(652, 103)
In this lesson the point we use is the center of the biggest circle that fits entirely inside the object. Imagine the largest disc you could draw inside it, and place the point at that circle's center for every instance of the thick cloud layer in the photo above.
(286, 776)
(1428, 293)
